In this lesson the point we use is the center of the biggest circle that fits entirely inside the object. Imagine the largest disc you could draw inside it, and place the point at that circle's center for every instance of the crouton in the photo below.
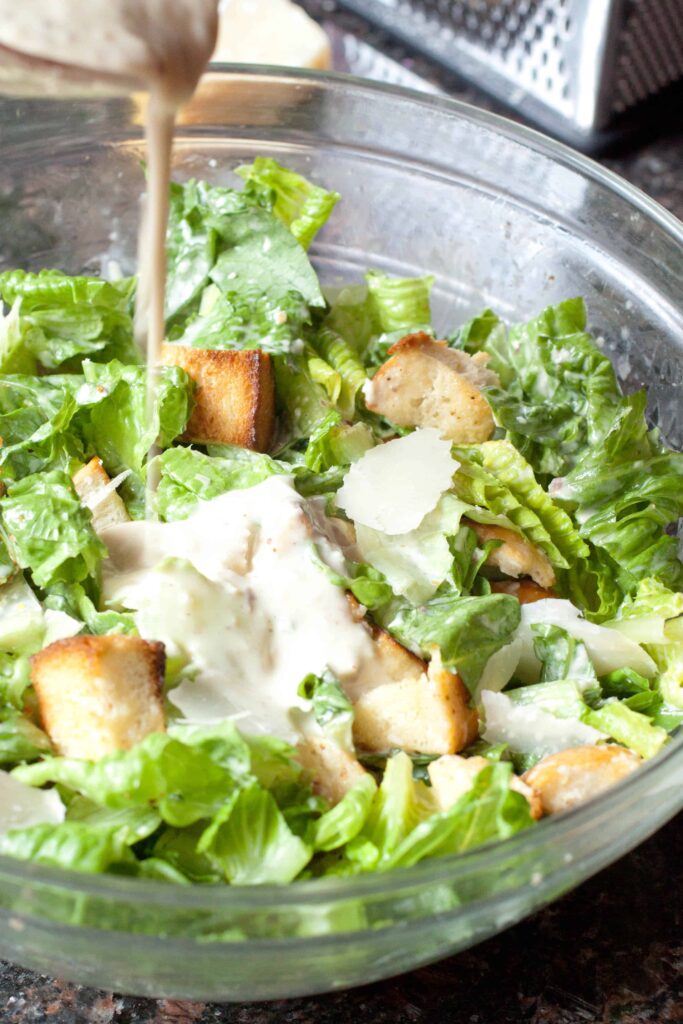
(574, 776)
(98, 694)
(334, 770)
(424, 715)
(525, 591)
(515, 556)
(425, 383)
(453, 776)
(392, 662)
(93, 487)
(235, 395)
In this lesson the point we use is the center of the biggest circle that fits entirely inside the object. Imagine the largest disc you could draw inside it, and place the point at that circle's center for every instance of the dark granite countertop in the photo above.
(609, 953)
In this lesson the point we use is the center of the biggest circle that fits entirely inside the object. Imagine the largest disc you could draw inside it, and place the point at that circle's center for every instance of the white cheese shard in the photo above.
(531, 730)
(607, 648)
(395, 485)
(22, 806)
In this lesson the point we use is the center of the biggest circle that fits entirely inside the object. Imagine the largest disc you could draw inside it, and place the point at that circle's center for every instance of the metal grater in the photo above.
(579, 68)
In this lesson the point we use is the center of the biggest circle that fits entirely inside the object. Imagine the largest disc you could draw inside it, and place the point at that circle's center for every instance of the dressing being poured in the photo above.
(91, 47)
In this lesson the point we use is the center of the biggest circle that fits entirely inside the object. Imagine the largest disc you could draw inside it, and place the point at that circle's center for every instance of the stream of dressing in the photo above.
(91, 47)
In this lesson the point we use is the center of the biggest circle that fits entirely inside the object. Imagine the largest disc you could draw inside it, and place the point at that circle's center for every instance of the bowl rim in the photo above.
(448, 868)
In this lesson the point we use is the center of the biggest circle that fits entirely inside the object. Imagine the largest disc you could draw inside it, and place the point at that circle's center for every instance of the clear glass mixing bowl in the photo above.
(502, 217)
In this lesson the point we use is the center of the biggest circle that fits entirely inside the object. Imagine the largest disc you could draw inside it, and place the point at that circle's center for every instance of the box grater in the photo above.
(581, 69)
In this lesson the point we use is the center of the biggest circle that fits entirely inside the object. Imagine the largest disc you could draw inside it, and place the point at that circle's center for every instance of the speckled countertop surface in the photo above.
(609, 953)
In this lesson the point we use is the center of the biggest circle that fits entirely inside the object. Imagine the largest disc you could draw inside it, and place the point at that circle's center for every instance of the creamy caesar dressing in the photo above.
(236, 592)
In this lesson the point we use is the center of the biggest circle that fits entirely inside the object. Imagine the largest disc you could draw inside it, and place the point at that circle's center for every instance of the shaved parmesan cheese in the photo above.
(22, 805)
(395, 485)
(500, 667)
(530, 730)
(607, 648)
(21, 616)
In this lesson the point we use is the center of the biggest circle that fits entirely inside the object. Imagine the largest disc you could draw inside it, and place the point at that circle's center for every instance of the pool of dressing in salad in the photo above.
(91, 47)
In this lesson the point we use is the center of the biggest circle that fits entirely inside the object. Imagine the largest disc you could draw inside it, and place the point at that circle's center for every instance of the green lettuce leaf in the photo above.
(73, 845)
(48, 530)
(251, 842)
(302, 206)
(562, 656)
(333, 443)
(36, 416)
(188, 476)
(20, 739)
(490, 811)
(343, 822)
(558, 391)
(63, 317)
(400, 804)
(257, 253)
(415, 564)
(195, 211)
(343, 359)
(494, 476)
(244, 320)
(624, 491)
(180, 780)
(331, 707)
(15, 355)
(467, 630)
(630, 728)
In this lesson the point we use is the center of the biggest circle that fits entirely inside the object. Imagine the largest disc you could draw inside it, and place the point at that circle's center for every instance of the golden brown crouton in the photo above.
(334, 770)
(427, 715)
(425, 383)
(235, 395)
(453, 776)
(98, 694)
(525, 591)
(516, 556)
(392, 662)
(574, 776)
(92, 487)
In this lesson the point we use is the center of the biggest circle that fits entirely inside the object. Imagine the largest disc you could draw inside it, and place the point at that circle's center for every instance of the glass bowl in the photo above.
(502, 217)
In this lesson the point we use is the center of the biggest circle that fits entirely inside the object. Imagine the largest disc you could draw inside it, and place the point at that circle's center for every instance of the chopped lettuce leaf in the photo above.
(48, 530)
(258, 253)
(627, 727)
(251, 842)
(562, 656)
(244, 320)
(490, 811)
(343, 822)
(63, 317)
(302, 206)
(188, 476)
(73, 845)
(558, 391)
(15, 355)
(624, 490)
(182, 781)
(467, 630)
(20, 739)
(331, 707)
(416, 563)
(494, 476)
(338, 354)
(333, 443)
